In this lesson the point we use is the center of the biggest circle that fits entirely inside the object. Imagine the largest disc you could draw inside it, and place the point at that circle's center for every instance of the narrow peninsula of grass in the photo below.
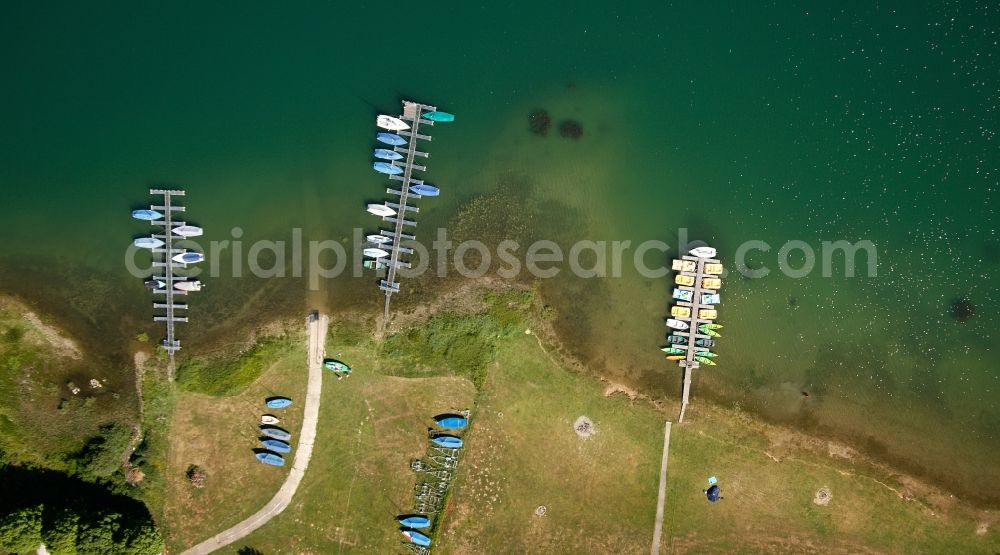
(220, 377)
(460, 344)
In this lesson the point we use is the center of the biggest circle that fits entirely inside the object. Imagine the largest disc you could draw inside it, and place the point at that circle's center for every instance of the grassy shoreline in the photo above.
(480, 347)
(770, 473)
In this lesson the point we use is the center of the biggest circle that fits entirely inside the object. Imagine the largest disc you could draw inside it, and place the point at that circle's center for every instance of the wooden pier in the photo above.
(412, 112)
(693, 334)
(171, 344)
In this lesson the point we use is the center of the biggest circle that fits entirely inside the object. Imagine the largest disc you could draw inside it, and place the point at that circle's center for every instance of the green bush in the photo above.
(13, 335)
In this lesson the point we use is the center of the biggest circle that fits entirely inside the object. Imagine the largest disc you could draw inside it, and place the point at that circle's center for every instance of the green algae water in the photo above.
(774, 124)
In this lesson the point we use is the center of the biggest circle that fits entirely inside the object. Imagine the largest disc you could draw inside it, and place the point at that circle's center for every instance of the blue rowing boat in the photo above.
(451, 421)
(425, 190)
(387, 168)
(278, 402)
(271, 459)
(147, 215)
(275, 433)
(414, 521)
(386, 154)
(390, 139)
(277, 445)
(450, 442)
(417, 538)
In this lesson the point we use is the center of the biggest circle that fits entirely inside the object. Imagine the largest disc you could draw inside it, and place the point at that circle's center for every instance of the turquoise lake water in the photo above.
(778, 123)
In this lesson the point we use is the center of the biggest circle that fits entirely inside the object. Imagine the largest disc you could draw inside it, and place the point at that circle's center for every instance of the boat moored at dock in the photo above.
(148, 243)
(189, 258)
(387, 154)
(711, 283)
(378, 239)
(387, 168)
(677, 324)
(375, 253)
(391, 123)
(425, 190)
(680, 265)
(439, 117)
(683, 294)
(188, 231)
(147, 215)
(680, 312)
(390, 139)
(681, 279)
(188, 286)
(381, 210)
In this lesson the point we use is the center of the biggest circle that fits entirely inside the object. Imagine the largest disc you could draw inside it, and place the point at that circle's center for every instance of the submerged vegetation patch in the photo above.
(464, 344)
(220, 376)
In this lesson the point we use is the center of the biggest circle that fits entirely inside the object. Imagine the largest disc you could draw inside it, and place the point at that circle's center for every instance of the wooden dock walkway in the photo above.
(171, 343)
(412, 113)
(692, 334)
(661, 496)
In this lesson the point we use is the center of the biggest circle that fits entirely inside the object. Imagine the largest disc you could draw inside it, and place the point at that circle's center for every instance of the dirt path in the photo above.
(307, 437)
(661, 497)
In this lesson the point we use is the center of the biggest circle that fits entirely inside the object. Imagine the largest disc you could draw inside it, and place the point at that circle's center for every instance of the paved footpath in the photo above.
(661, 498)
(307, 437)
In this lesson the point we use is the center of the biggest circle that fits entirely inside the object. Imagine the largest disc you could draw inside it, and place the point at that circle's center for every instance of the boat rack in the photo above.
(689, 362)
(163, 258)
(412, 112)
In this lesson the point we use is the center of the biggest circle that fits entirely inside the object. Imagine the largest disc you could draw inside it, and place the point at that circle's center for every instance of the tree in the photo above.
(102, 455)
(21, 530)
(142, 539)
(97, 536)
(59, 534)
